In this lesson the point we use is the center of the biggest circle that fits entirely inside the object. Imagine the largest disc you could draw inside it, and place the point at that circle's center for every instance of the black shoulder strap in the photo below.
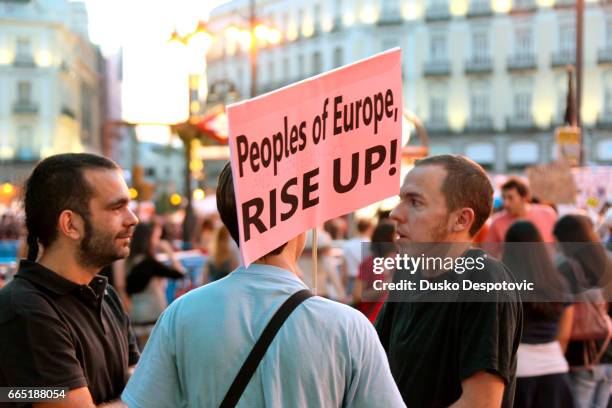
(252, 362)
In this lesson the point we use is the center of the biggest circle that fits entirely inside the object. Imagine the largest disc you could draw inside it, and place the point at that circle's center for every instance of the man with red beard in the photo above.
(61, 325)
(452, 351)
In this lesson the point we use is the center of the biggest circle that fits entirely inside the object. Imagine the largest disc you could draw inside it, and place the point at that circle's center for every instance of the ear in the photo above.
(71, 225)
(464, 219)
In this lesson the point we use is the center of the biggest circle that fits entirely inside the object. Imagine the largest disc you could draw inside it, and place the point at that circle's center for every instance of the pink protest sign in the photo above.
(315, 150)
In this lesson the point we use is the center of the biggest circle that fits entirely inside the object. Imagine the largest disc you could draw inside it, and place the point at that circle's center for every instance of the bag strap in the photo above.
(252, 362)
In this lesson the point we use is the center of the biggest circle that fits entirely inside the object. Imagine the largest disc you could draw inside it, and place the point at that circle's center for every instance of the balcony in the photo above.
(482, 124)
(437, 68)
(563, 58)
(25, 108)
(390, 17)
(24, 60)
(438, 12)
(480, 65)
(438, 126)
(523, 7)
(24, 154)
(337, 24)
(604, 56)
(479, 9)
(522, 62)
(520, 124)
(604, 120)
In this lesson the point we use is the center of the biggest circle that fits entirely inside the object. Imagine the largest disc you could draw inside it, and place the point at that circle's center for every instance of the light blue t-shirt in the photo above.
(325, 355)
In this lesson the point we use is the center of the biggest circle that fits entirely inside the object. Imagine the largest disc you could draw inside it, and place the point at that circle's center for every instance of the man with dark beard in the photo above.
(447, 349)
(61, 325)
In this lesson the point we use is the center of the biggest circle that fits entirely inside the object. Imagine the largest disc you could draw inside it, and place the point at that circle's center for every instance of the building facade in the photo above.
(50, 84)
(487, 77)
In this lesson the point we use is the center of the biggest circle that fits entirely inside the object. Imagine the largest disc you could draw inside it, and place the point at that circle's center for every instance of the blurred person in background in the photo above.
(223, 258)
(542, 370)
(516, 201)
(352, 253)
(585, 264)
(62, 325)
(329, 284)
(145, 279)
(368, 300)
(205, 236)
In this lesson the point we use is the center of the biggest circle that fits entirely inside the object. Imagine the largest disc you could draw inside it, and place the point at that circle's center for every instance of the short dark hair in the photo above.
(364, 224)
(55, 185)
(516, 183)
(226, 205)
(466, 185)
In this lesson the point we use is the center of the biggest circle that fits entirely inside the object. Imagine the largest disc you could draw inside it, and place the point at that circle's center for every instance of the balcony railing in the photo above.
(481, 124)
(437, 68)
(438, 126)
(520, 124)
(563, 58)
(525, 6)
(23, 60)
(24, 154)
(480, 9)
(604, 120)
(25, 107)
(437, 12)
(390, 17)
(481, 65)
(521, 62)
(604, 55)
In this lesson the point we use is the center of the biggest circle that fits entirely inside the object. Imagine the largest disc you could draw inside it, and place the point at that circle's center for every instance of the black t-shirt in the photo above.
(538, 329)
(432, 347)
(56, 333)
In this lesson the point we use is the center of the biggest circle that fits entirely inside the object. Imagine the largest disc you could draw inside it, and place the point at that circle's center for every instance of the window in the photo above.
(271, 73)
(567, 38)
(479, 104)
(608, 102)
(300, 21)
(437, 47)
(25, 144)
(480, 5)
(300, 62)
(480, 43)
(524, 41)
(24, 91)
(286, 69)
(317, 65)
(338, 57)
(522, 3)
(391, 7)
(609, 34)
(437, 110)
(24, 48)
(522, 105)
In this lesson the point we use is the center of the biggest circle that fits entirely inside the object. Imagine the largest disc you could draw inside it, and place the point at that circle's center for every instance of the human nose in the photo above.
(132, 219)
(397, 214)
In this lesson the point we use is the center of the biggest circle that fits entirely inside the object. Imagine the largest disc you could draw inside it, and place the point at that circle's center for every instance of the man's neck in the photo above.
(67, 267)
(523, 211)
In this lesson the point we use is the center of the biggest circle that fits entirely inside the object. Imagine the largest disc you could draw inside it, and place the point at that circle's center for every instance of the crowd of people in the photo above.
(62, 324)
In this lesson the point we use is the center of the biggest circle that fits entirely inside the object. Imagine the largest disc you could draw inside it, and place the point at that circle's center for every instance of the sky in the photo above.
(154, 76)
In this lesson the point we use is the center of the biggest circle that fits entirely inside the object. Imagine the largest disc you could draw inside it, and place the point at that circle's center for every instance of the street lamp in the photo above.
(199, 42)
